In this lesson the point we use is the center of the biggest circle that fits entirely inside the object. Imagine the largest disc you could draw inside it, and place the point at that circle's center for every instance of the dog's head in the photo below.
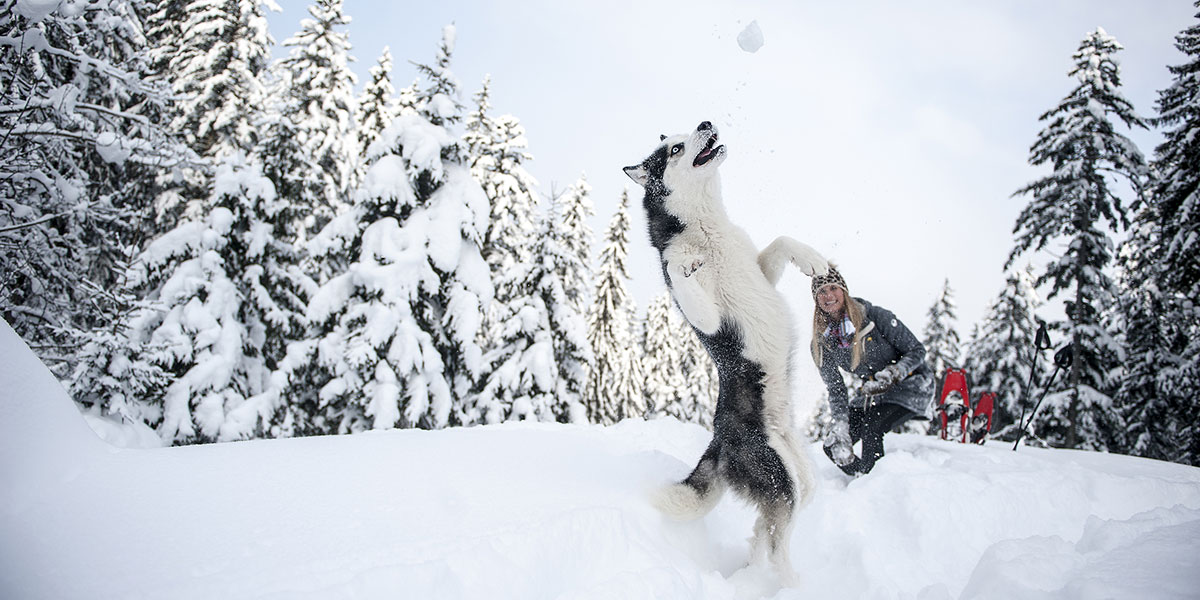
(679, 161)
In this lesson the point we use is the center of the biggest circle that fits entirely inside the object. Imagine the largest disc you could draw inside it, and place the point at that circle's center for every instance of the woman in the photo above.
(854, 335)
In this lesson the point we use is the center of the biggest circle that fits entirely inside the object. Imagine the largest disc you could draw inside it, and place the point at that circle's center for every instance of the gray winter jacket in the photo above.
(886, 341)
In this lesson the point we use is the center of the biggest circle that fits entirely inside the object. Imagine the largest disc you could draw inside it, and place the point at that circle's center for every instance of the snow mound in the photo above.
(751, 37)
(558, 511)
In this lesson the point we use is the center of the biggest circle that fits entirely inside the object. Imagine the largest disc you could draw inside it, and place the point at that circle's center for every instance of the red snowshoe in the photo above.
(981, 417)
(954, 405)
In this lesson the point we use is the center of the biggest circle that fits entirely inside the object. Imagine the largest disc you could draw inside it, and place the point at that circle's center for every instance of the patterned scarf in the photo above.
(841, 332)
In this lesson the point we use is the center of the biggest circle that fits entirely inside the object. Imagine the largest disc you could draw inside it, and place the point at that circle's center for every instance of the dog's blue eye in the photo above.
(676, 149)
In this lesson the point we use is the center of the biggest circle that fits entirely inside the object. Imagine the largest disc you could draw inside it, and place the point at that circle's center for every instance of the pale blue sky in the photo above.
(888, 135)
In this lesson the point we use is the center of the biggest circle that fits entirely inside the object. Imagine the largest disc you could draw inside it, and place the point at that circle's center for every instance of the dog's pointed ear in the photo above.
(661, 137)
(638, 174)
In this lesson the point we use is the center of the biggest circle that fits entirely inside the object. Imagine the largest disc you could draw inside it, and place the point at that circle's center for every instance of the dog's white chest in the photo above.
(715, 280)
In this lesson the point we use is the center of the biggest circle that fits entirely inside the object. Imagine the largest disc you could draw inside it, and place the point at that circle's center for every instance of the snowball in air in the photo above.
(751, 38)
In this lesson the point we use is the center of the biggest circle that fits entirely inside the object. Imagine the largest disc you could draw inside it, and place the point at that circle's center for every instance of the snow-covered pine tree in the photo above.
(1153, 427)
(574, 209)
(116, 379)
(464, 295)
(395, 339)
(186, 184)
(540, 370)
(164, 21)
(520, 373)
(221, 300)
(439, 101)
(406, 98)
(1160, 392)
(319, 102)
(214, 59)
(1001, 352)
(288, 163)
(497, 154)
(615, 384)
(662, 362)
(681, 380)
(514, 325)
(1085, 150)
(377, 105)
(700, 375)
(942, 348)
(80, 145)
(560, 279)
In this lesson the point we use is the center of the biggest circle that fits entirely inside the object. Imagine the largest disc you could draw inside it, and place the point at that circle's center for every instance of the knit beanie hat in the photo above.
(830, 278)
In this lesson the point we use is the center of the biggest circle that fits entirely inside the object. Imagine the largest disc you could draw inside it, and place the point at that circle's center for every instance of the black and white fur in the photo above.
(726, 290)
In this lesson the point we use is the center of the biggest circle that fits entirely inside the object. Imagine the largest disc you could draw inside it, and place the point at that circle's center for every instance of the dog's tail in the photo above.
(693, 497)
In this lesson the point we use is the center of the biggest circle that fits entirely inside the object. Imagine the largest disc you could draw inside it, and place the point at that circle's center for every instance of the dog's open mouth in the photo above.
(708, 153)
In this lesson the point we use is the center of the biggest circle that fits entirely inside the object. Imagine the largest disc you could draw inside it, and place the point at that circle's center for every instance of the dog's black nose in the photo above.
(705, 126)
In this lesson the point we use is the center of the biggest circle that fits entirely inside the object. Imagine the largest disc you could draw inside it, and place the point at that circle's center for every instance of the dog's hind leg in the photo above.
(698, 493)
(761, 472)
(773, 529)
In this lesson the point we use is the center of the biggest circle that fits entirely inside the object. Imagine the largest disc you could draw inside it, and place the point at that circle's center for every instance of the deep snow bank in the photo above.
(535, 511)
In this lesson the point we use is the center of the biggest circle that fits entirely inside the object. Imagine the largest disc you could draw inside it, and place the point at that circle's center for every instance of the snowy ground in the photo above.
(535, 511)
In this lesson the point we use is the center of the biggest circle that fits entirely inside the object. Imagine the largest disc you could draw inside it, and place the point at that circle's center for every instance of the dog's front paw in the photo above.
(809, 261)
(690, 269)
(812, 264)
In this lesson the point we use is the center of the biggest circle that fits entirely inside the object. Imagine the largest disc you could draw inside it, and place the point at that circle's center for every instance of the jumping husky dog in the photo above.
(726, 291)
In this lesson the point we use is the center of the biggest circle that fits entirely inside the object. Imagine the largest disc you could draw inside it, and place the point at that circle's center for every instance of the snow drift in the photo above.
(545, 511)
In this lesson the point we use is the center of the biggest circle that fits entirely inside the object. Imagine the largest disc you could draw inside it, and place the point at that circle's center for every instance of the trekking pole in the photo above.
(1041, 342)
(1062, 360)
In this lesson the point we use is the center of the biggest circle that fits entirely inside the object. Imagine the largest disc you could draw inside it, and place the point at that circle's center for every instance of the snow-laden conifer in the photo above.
(214, 59)
(555, 278)
(318, 99)
(681, 380)
(574, 209)
(1001, 352)
(1068, 212)
(700, 375)
(377, 105)
(615, 386)
(521, 372)
(942, 348)
(438, 101)
(81, 143)
(1160, 266)
(497, 153)
(1155, 422)
(407, 98)
(221, 300)
(395, 338)
(662, 361)
(288, 163)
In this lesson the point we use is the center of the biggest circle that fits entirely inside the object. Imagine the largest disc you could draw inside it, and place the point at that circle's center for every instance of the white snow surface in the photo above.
(558, 511)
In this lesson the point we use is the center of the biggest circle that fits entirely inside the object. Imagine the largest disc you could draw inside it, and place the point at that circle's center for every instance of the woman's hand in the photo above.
(838, 445)
(883, 380)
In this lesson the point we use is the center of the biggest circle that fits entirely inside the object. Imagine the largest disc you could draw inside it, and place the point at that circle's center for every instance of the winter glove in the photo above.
(838, 446)
(883, 380)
